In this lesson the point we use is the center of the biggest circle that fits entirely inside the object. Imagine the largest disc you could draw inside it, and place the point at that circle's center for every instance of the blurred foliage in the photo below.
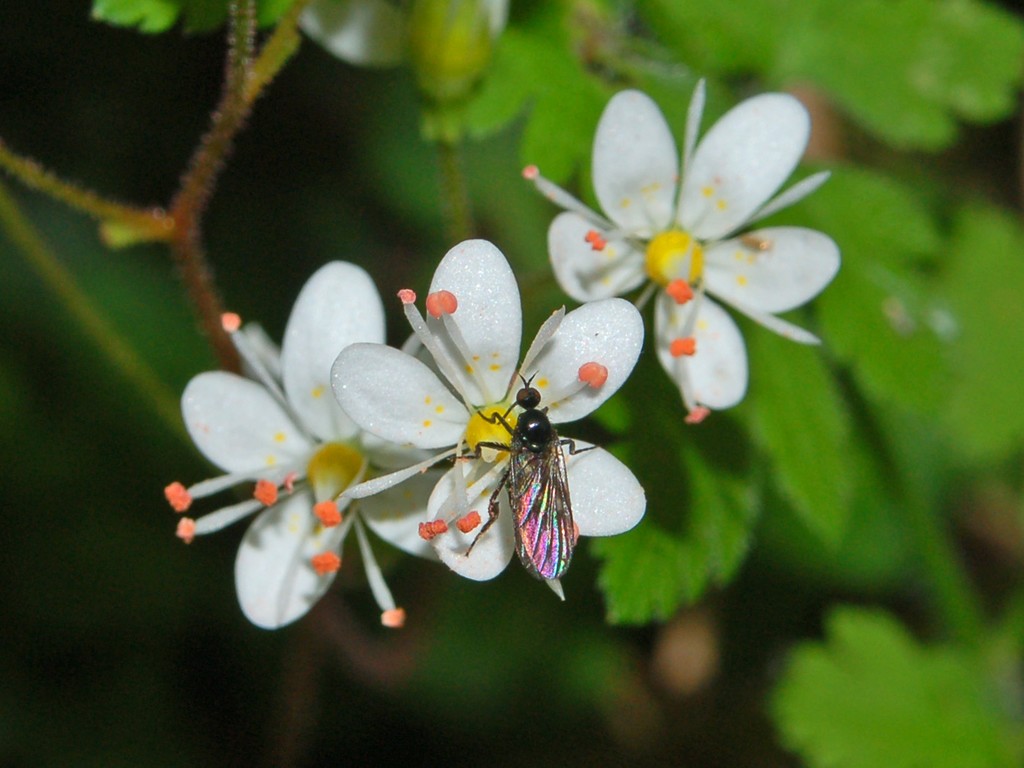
(884, 466)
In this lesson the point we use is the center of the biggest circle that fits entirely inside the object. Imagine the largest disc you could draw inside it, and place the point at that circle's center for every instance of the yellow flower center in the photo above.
(674, 255)
(481, 430)
(332, 469)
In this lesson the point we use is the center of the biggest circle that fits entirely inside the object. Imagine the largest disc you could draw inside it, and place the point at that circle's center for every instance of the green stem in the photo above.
(151, 224)
(456, 209)
(954, 596)
(39, 256)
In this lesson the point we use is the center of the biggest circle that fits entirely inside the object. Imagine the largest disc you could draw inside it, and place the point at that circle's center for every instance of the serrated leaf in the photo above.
(872, 696)
(801, 423)
(982, 283)
(640, 575)
(906, 71)
(880, 315)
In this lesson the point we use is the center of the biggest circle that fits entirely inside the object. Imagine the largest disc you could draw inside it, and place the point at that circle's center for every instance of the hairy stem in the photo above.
(458, 215)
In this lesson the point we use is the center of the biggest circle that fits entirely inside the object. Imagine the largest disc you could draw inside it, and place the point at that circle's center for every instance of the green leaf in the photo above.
(871, 696)
(153, 16)
(799, 420)
(536, 68)
(641, 575)
(148, 15)
(700, 506)
(982, 283)
(880, 315)
(906, 71)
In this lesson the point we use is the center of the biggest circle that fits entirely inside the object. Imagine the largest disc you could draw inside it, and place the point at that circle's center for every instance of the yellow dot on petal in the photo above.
(707, 191)
(427, 423)
(739, 255)
(426, 400)
(439, 409)
(317, 392)
(279, 437)
(720, 204)
(541, 383)
(650, 189)
(741, 279)
(495, 367)
(475, 358)
(271, 460)
(625, 202)
(469, 369)
(702, 324)
(293, 523)
(610, 252)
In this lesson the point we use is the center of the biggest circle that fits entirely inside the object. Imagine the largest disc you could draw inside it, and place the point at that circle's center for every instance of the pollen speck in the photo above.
(393, 618)
(327, 513)
(441, 303)
(230, 322)
(593, 374)
(679, 290)
(325, 563)
(468, 522)
(685, 346)
(186, 530)
(265, 492)
(178, 497)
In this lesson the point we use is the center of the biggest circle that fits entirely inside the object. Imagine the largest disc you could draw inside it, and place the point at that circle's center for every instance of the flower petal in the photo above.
(716, 376)
(606, 497)
(742, 160)
(275, 581)
(587, 274)
(395, 514)
(635, 164)
(493, 551)
(609, 332)
(369, 33)
(488, 318)
(772, 269)
(396, 397)
(238, 425)
(337, 306)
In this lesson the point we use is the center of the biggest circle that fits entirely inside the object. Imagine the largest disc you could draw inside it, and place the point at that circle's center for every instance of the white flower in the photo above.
(472, 331)
(285, 431)
(373, 33)
(679, 230)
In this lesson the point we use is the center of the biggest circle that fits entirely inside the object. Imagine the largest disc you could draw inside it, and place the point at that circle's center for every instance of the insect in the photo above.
(537, 487)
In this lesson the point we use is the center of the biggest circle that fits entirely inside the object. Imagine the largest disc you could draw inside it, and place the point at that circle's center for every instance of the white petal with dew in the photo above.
(395, 514)
(587, 274)
(772, 269)
(396, 397)
(609, 332)
(338, 306)
(367, 33)
(716, 376)
(274, 578)
(635, 164)
(606, 497)
(494, 549)
(238, 425)
(739, 164)
(488, 318)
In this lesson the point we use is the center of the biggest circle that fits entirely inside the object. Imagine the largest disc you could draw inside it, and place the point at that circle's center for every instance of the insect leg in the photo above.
(573, 450)
(493, 508)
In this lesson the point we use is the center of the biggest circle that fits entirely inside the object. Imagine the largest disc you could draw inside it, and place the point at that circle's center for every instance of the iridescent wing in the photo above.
(538, 492)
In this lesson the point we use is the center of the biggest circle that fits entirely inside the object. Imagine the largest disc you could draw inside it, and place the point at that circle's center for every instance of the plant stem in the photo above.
(457, 212)
(151, 224)
(123, 358)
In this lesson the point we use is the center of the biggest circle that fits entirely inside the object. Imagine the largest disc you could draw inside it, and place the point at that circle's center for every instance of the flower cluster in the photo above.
(460, 391)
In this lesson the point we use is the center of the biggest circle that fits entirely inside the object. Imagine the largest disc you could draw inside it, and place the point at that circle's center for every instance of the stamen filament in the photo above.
(374, 575)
